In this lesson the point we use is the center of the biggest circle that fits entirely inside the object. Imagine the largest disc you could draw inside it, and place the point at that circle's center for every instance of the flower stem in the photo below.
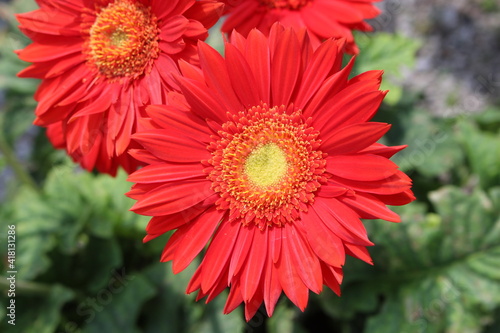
(21, 174)
(26, 287)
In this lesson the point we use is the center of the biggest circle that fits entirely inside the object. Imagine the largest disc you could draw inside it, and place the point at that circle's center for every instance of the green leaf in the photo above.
(167, 310)
(483, 152)
(448, 275)
(117, 309)
(171, 310)
(36, 228)
(107, 197)
(91, 267)
(18, 118)
(74, 206)
(433, 149)
(390, 53)
(488, 120)
(356, 298)
(213, 320)
(44, 310)
(284, 320)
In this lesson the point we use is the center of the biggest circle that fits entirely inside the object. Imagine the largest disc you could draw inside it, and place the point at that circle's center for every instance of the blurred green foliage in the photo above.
(391, 53)
(82, 267)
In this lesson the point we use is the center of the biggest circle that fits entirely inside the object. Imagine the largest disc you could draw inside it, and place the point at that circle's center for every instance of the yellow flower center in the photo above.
(266, 165)
(123, 40)
(285, 4)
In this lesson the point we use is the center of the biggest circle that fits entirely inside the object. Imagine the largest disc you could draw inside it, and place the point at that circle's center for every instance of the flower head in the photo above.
(101, 62)
(322, 18)
(269, 156)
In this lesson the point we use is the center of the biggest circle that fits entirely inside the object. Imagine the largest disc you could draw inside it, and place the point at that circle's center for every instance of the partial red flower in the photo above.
(322, 18)
(101, 62)
(268, 156)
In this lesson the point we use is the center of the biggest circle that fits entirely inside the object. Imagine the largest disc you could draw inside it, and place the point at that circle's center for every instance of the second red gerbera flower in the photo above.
(269, 154)
(101, 62)
(322, 18)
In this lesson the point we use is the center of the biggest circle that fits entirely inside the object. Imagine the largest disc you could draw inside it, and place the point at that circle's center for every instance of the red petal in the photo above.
(251, 274)
(352, 105)
(253, 304)
(218, 254)
(382, 150)
(275, 238)
(285, 67)
(331, 190)
(325, 244)
(190, 71)
(202, 101)
(370, 207)
(329, 278)
(242, 79)
(397, 183)
(173, 28)
(339, 11)
(163, 8)
(217, 77)
(195, 30)
(195, 283)
(241, 250)
(233, 299)
(341, 220)
(161, 224)
(258, 57)
(167, 173)
(172, 147)
(201, 230)
(272, 287)
(56, 48)
(353, 138)
(359, 252)
(81, 133)
(361, 167)
(168, 117)
(219, 287)
(290, 279)
(52, 91)
(144, 156)
(206, 12)
(127, 127)
(245, 12)
(304, 259)
(373, 75)
(317, 70)
(167, 68)
(397, 199)
(172, 198)
(173, 242)
(322, 24)
(330, 87)
(52, 68)
(42, 22)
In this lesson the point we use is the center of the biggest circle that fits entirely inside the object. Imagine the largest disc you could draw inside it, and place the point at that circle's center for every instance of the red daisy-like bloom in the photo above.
(267, 155)
(101, 62)
(322, 18)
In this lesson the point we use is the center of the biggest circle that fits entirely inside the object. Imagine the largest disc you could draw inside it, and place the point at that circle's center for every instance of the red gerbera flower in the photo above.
(100, 62)
(322, 18)
(269, 155)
